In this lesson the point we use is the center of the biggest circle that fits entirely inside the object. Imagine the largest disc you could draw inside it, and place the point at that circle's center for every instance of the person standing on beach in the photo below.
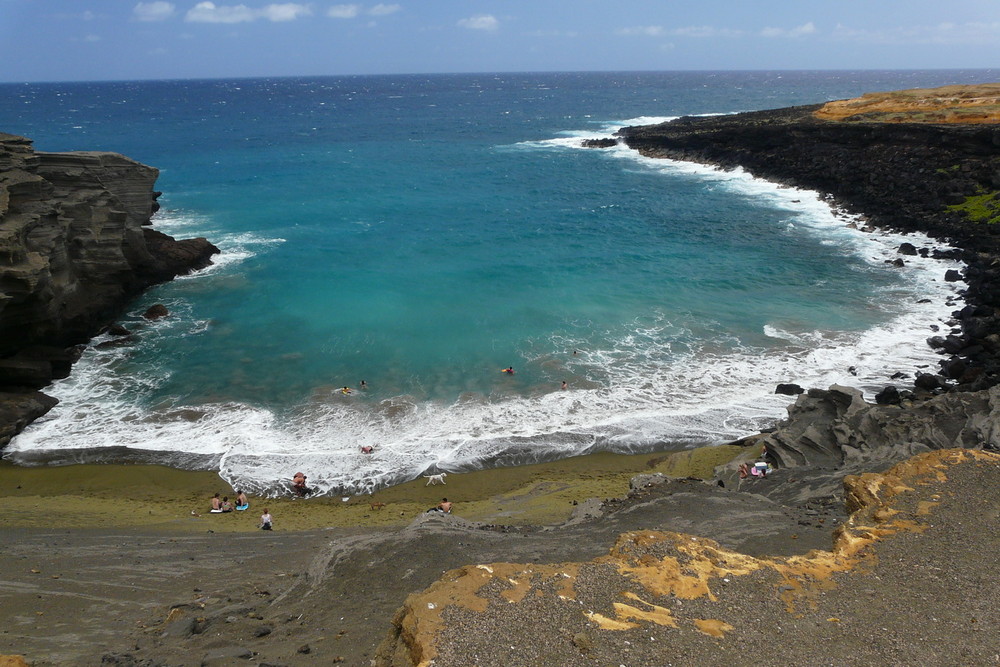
(265, 520)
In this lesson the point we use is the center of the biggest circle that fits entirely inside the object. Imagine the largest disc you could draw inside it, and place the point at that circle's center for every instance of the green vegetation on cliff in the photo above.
(983, 207)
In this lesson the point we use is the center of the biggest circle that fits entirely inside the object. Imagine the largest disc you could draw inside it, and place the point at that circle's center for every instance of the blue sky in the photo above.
(74, 40)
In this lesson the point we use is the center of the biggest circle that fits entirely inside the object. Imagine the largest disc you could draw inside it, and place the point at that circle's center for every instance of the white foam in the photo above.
(234, 248)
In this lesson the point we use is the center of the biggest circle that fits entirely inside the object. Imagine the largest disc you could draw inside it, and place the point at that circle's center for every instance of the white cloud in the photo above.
(384, 10)
(480, 22)
(288, 11)
(798, 31)
(705, 31)
(153, 11)
(642, 30)
(942, 33)
(343, 11)
(209, 12)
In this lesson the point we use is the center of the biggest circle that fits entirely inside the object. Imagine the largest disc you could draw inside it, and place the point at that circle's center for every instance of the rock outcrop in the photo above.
(663, 597)
(75, 248)
(837, 427)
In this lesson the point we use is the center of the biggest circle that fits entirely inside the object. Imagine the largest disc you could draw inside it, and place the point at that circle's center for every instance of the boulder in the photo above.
(156, 312)
(888, 396)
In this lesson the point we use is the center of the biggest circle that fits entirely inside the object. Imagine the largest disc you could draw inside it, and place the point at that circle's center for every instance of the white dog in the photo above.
(436, 479)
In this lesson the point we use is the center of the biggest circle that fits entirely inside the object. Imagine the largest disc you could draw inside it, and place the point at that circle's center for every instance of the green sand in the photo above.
(165, 498)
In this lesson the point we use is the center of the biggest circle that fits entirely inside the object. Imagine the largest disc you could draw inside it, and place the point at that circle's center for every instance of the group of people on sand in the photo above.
(759, 469)
(222, 506)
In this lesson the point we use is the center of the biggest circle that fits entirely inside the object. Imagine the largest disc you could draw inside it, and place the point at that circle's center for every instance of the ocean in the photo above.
(421, 233)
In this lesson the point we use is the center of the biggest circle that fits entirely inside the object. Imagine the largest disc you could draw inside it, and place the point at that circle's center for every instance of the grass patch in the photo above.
(983, 207)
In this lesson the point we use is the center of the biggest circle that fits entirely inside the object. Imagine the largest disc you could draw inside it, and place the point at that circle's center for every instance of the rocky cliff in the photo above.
(75, 248)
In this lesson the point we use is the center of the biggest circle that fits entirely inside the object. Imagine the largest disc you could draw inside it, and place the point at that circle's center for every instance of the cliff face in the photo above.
(73, 244)
(74, 249)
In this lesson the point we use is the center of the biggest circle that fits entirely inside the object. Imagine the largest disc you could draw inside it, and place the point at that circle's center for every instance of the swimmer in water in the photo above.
(509, 370)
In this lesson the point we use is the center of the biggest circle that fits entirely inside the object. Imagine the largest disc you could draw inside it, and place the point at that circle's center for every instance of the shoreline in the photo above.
(170, 500)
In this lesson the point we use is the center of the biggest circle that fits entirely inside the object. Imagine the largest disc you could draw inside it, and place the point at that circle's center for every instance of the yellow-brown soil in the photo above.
(959, 104)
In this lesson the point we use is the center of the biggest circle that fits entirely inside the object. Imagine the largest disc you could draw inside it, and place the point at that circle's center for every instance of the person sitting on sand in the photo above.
(299, 484)
(241, 501)
(444, 507)
(226, 505)
(216, 505)
(265, 520)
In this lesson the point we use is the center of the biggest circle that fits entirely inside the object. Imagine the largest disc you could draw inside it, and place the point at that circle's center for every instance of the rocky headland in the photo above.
(76, 248)
(910, 174)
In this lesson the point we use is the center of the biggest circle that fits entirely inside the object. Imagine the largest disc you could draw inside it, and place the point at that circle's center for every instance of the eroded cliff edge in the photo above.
(75, 248)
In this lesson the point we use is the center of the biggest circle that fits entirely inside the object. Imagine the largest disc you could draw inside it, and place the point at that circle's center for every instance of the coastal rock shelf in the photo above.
(75, 248)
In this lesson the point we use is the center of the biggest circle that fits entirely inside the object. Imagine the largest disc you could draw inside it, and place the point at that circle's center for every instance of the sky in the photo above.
(96, 40)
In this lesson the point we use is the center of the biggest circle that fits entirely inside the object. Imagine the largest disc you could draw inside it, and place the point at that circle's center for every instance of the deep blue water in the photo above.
(423, 232)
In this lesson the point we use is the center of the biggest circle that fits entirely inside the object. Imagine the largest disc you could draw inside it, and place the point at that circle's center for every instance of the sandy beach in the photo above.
(96, 557)
(161, 498)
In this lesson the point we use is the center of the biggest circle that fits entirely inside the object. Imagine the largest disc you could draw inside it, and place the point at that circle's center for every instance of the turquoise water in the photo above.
(424, 232)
